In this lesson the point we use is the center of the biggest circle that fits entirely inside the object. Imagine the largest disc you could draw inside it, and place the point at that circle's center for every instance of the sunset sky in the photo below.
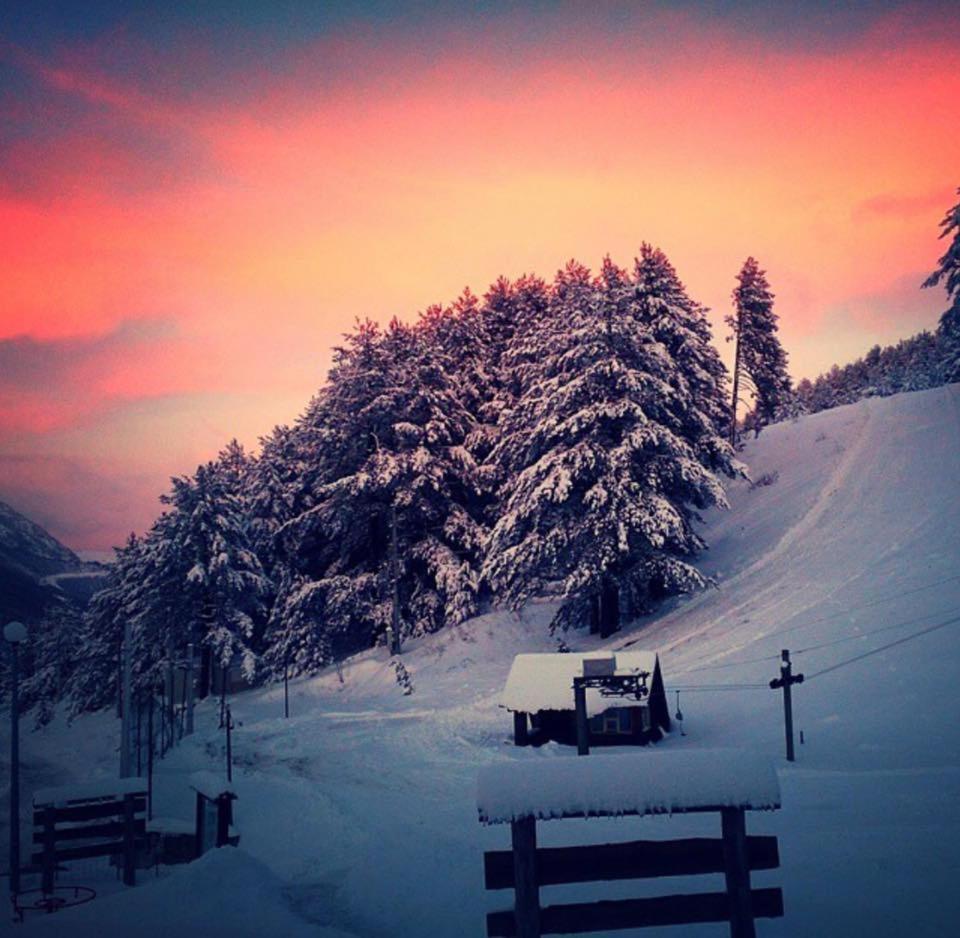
(194, 206)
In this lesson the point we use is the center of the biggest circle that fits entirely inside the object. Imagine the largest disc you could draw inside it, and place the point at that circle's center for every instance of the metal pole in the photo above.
(126, 716)
(395, 576)
(580, 702)
(188, 677)
(229, 748)
(150, 757)
(787, 702)
(14, 770)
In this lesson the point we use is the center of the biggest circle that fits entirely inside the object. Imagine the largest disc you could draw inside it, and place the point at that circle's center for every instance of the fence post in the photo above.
(129, 843)
(737, 870)
(526, 907)
(583, 729)
(49, 848)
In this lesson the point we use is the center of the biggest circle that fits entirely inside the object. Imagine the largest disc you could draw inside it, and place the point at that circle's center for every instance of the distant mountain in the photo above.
(36, 569)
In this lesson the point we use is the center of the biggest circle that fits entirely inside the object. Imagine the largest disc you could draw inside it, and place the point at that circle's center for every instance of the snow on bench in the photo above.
(638, 783)
(545, 681)
(210, 785)
(89, 791)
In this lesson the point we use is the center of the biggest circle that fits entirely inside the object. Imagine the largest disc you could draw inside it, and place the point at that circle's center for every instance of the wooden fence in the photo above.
(79, 828)
(525, 868)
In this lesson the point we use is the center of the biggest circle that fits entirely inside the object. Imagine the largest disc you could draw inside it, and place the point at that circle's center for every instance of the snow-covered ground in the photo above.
(358, 815)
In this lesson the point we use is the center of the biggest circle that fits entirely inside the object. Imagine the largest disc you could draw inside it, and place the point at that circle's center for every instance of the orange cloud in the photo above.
(262, 223)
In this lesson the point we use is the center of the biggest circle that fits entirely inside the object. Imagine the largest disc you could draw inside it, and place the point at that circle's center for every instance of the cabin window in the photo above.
(611, 721)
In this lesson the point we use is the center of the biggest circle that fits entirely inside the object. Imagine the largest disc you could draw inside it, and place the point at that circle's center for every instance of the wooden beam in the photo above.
(737, 870)
(64, 854)
(112, 829)
(638, 859)
(89, 812)
(580, 918)
(520, 733)
(526, 908)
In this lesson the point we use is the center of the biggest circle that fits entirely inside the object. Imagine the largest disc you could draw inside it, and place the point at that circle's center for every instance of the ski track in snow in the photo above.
(362, 804)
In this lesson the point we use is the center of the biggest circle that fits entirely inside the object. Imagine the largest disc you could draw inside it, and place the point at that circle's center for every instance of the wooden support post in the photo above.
(520, 735)
(129, 842)
(526, 908)
(286, 692)
(737, 872)
(583, 728)
(49, 872)
(198, 829)
(189, 689)
(786, 681)
(224, 810)
(150, 757)
(229, 726)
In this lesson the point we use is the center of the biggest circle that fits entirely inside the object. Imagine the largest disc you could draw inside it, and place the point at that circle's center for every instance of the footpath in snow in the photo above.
(358, 814)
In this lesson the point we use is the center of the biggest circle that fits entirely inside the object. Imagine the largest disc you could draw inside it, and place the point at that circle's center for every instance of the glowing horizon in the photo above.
(186, 237)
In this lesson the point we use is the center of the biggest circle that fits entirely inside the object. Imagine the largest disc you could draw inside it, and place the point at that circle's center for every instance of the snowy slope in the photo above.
(362, 805)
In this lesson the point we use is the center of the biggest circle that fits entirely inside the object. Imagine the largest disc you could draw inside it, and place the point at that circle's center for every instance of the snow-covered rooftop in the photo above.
(90, 791)
(545, 682)
(210, 784)
(639, 783)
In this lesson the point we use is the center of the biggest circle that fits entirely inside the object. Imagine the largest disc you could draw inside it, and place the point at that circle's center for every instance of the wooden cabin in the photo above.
(626, 700)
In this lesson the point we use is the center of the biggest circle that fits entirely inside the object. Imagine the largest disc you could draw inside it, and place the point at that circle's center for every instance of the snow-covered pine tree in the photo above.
(208, 570)
(94, 681)
(398, 445)
(681, 325)
(760, 361)
(948, 271)
(602, 485)
(49, 659)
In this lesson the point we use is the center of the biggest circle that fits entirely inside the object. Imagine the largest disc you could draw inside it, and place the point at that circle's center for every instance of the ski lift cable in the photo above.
(876, 651)
(868, 633)
(837, 615)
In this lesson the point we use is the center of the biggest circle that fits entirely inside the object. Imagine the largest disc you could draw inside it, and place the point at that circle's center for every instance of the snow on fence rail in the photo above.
(635, 784)
(729, 782)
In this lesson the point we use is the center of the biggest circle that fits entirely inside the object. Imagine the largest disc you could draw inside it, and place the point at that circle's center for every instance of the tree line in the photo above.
(546, 439)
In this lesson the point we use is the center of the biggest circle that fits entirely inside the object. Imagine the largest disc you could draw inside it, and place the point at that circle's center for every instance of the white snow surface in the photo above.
(647, 782)
(545, 682)
(358, 814)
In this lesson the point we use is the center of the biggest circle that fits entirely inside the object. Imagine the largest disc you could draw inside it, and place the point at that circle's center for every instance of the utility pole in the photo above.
(188, 677)
(229, 729)
(580, 707)
(736, 382)
(14, 633)
(785, 681)
(394, 636)
(125, 716)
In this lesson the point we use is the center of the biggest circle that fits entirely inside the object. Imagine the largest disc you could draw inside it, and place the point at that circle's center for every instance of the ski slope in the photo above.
(358, 815)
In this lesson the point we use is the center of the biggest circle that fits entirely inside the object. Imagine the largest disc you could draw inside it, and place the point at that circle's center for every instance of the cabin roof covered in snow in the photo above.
(545, 681)
(651, 782)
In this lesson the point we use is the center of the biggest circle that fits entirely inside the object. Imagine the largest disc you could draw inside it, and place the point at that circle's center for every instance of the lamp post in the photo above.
(14, 633)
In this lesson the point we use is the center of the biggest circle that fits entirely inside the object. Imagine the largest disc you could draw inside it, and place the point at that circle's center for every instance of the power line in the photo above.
(832, 616)
(875, 651)
(867, 634)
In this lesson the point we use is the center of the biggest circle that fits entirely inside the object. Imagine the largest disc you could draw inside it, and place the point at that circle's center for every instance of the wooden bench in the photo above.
(94, 820)
(521, 793)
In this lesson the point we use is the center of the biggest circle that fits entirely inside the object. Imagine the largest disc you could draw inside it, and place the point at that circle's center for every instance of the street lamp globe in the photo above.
(15, 632)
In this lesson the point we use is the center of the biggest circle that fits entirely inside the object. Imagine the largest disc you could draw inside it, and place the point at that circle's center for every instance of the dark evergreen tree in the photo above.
(404, 476)
(760, 361)
(681, 325)
(603, 481)
(948, 271)
(48, 659)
